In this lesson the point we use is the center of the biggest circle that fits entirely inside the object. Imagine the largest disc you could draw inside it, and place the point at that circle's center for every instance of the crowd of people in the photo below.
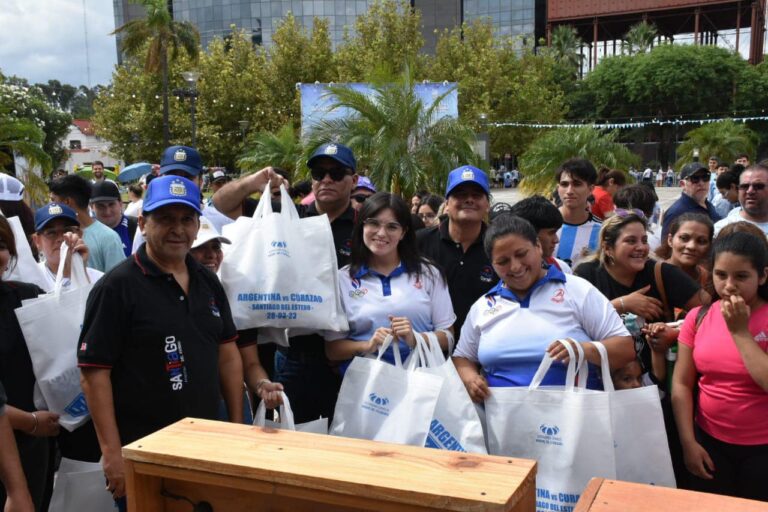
(680, 302)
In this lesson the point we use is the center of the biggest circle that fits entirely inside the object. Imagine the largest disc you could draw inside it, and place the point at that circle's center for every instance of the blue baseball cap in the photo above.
(54, 211)
(366, 183)
(167, 190)
(338, 152)
(181, 158)
(467, 174)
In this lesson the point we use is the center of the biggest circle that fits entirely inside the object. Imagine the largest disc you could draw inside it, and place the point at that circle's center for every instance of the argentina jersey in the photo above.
(578, 240)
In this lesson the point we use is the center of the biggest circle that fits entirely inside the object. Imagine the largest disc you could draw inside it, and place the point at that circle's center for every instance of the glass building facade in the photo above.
(509, 17)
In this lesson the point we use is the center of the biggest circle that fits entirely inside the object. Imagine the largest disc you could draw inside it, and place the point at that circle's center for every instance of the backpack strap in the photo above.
(658, 278)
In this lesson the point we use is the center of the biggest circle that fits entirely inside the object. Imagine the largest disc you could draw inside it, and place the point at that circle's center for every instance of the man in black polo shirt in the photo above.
(311, 384)
(157, 334)
(456, 245)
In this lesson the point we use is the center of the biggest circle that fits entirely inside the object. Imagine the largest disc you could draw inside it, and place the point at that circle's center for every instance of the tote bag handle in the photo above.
(570, 376)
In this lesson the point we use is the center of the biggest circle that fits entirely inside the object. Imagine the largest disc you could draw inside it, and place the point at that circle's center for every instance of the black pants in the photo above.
(311, 385)
(740, 470)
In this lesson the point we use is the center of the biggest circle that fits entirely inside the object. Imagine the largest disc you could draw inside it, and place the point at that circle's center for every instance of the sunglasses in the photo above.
(757, 187)
(336, 173)
(698, 179)
(621, 212)
(360, 198)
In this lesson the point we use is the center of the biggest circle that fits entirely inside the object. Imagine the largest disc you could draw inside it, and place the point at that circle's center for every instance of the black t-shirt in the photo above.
(3, 399)
(469, 274)
(160, 343)
(678, 285)
(15, 364)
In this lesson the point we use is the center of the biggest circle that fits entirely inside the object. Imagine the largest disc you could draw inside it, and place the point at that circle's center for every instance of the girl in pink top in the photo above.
(726, 445)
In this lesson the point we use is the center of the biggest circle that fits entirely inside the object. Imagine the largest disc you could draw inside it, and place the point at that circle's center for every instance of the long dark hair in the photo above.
(746, 245)
(664, 250)
(406, 249)
(6, 235)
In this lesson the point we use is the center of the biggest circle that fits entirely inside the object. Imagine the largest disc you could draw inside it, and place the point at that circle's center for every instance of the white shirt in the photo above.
(508, 337)
(735, 216)
(370, 298)
(134, 209)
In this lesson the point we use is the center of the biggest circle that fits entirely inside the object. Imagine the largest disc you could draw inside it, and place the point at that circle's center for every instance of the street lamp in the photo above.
(695, 154)
(190, 91)
(243, 128)
(483, 139)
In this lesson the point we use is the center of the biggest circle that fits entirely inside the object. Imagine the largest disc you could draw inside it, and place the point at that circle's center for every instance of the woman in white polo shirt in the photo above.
(508, 330)
(388, 288)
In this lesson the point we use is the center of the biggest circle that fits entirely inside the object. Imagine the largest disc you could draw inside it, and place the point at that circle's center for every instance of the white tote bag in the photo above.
(567, 430)
(318, 426)
(51, 325)
(455, 425)
(25, 268)
(281, 271)
(639, 436)
(80, 486)
(383, 402)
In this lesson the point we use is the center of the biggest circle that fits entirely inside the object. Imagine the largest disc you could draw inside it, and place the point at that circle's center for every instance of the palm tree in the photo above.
(398, 138)
(565, 47)
(542, 158)
(639, 38)
(724, 139)
(163, 34)
(281, 149)
(21, 137)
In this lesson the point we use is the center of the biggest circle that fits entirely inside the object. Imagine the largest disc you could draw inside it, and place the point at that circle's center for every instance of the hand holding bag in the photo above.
(318, 426)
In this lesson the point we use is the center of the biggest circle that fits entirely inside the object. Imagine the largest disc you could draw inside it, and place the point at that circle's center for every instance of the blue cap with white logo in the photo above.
(55, 211)
(467, 174)
(338, 152)
(167, 190)
(181, 158)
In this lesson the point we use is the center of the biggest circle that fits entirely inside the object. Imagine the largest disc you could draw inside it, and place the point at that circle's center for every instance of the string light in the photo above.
(630, 124)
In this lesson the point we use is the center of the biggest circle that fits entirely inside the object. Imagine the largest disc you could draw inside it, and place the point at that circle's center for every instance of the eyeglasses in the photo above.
(375, 225)
(757, 187)
(697, 179)
(360, 198)
(54, 233)
(621, 212)
(336, 173)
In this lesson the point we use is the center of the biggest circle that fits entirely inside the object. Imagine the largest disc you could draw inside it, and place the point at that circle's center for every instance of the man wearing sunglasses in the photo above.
(753, 198)
(694, 180)
(363, 190)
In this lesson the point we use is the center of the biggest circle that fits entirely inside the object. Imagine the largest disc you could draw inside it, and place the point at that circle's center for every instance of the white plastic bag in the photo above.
(281, 271)
(80, 486)
(318, 426)
(639, 436)
(383, 402)
(567, 430)
(51, 325)
(456, 424)
(26, 268)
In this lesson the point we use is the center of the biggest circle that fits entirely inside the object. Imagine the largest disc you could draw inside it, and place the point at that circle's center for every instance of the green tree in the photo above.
(565, 48)
(22, 138)
(520, 87)
(639, 38)
(164, 35)
(396, 137)
(539, 163)
(726, 139)
(281, 149)
(385, 37)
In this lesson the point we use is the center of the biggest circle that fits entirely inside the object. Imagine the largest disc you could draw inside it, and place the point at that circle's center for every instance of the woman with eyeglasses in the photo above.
(388, 289)
(56, 223)
(429, 210)
(622, 271)
(33, 428)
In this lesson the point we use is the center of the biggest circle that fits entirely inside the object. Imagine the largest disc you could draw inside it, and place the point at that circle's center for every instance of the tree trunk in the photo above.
(164, 70)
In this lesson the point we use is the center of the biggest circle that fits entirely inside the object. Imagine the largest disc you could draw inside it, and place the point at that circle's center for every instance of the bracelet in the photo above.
(261, 383)
(34, 429)
(623, 307)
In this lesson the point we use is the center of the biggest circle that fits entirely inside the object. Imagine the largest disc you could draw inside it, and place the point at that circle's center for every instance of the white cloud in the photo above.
(41, 40)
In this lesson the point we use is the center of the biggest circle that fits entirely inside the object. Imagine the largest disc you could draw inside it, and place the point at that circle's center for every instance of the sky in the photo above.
(41, 40)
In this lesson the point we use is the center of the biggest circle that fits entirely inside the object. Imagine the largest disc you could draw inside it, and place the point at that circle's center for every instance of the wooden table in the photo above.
(603, 495)
(241, 468)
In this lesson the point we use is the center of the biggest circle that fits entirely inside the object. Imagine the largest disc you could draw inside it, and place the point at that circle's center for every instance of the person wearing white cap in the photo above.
(206, 248)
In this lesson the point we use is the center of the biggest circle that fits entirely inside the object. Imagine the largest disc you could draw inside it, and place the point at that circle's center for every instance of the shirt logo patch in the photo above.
(559, 296)
(180, 155)
(761, 336)
(493, 308)
(83, 347)
(174, 363)
(345, 249)
(487, 274)
(417, 284)
(214, 308)
(357, 292)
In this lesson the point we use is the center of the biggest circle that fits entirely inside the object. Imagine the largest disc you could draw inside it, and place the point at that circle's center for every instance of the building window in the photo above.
(75, 144)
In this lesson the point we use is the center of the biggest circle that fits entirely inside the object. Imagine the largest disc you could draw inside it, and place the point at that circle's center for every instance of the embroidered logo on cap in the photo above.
(55, 210)
(180, 155)
(332, 149)
(178, 189)
(468, 175)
